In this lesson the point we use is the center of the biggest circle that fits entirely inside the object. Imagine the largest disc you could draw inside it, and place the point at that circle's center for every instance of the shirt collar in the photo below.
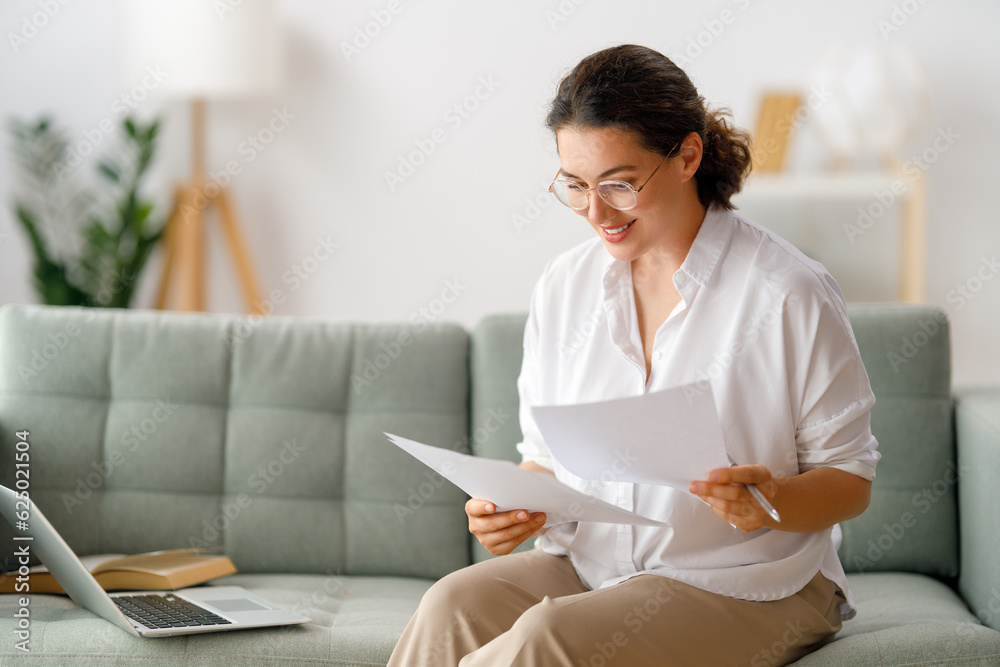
(702, 258)
(708, 246)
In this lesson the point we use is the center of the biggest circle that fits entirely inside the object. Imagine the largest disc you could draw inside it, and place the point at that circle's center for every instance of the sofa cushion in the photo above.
(904, 619)
(263, 437)
(355, 621)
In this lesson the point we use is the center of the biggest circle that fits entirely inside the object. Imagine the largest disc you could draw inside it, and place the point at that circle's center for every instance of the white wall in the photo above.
(452, 221)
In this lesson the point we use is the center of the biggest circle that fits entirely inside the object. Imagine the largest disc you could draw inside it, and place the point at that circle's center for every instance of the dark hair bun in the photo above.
(637, 89)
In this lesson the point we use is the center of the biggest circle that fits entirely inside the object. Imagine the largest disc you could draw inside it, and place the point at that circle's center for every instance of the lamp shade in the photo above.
(880, 101)
(202, 48)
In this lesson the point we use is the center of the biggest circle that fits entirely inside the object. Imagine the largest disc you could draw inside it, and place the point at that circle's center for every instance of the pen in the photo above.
(759, 497)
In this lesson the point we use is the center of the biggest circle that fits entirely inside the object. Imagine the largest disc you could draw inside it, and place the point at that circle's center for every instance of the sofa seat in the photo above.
(907, 619)
(903, 619)
(355, 621)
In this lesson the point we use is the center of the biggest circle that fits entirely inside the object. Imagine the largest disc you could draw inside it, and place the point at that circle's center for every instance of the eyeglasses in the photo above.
(616, 194)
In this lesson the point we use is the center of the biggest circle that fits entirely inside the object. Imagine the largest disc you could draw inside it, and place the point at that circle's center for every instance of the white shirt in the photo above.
(761, 326)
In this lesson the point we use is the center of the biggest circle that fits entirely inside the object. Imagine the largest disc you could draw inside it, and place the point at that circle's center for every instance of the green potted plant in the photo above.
(90, 241)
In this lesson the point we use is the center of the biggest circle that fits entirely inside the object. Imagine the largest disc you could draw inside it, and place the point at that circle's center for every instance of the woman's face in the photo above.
(662, 216)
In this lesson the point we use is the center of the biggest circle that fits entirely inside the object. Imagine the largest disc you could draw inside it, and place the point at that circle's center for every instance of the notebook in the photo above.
(144, 613)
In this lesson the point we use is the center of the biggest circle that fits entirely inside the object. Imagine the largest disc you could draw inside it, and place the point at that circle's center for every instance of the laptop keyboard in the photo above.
(166, 611)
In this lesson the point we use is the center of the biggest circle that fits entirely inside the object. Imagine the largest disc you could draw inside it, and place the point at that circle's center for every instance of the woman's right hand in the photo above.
(501, 532)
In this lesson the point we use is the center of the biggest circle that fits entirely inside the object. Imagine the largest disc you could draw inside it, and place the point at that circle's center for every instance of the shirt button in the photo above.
(681, 278)
(657, 355)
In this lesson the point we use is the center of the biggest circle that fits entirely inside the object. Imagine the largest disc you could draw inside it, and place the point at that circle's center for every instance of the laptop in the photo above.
(143, 613)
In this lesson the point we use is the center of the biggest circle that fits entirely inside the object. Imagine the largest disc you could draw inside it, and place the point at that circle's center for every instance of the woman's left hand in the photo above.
(725, 493)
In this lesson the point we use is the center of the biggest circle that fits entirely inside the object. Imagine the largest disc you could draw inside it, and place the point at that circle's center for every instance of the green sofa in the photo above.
(151, 430)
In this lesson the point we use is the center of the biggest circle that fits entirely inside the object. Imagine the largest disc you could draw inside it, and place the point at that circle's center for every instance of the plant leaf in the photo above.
(109, 170)
(110, 220)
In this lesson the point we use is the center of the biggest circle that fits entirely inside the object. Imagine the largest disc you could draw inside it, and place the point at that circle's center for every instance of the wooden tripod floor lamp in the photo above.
(205, 51)
(184, 235)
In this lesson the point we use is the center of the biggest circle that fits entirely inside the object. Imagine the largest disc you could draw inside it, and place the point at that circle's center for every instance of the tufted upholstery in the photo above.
(264, 439)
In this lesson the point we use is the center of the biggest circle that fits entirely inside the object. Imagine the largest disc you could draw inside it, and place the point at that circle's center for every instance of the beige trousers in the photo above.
(532, 609)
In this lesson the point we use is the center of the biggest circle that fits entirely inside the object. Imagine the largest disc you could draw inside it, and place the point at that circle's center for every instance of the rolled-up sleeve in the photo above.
(845, 441)
(834, 426)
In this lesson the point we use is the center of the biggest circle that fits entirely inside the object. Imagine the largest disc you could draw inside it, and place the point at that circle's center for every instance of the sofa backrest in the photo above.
(911, 523)
(156, 430)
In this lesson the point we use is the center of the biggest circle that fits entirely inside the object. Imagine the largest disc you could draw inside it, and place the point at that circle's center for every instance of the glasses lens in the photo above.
(618, 194)
(570, 194)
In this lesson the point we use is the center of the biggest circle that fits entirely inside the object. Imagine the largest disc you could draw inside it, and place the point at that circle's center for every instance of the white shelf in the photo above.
(856, 192)
(822, 186)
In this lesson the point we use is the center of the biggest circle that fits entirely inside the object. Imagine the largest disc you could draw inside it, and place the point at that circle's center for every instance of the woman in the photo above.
(685, 293)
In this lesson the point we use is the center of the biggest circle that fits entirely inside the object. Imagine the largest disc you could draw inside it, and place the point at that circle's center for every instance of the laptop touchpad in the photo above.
(239, 604)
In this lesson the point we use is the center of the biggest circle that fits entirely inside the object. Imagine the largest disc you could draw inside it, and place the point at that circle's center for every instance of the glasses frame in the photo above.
(635, 191)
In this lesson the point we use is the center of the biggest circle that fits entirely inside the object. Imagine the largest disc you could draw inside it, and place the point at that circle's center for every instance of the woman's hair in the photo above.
(637, 89)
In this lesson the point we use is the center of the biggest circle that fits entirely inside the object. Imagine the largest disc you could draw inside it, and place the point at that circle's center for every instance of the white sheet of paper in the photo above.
(510, 487)
(670, 437)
